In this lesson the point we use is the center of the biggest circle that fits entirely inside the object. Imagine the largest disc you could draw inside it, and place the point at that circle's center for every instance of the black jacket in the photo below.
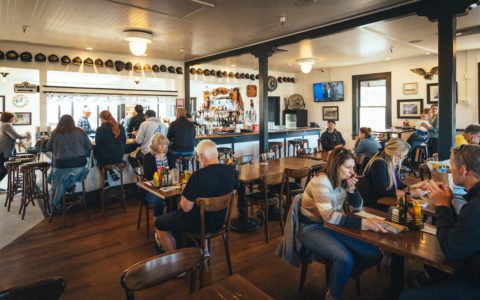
(461, 240)
(135, 122)
(330, 140)
(182, 135)
(108, 149)
(376, 184)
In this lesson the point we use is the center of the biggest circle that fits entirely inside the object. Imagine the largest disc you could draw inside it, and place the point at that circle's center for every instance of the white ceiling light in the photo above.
(306, 64)
(137, 40)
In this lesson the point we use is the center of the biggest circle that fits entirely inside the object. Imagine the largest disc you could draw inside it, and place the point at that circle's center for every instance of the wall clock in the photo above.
(296, 101)
(20, 100)
(272, 83)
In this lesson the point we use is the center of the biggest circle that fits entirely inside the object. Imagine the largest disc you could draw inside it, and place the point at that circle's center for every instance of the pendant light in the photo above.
(138, 39)
(306, 64)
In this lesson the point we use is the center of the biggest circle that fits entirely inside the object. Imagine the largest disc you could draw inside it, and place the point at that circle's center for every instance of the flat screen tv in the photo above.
(328, 91)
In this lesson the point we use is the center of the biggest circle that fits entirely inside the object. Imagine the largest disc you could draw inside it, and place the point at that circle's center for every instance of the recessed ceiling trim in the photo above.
(143, 8)
(394, 39)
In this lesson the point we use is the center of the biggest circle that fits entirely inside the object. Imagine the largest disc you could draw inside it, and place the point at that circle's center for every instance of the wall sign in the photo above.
(25, 87)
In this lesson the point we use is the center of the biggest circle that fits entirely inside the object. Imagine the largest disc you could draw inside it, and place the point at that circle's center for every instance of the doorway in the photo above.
(372, 101)
(274, 110)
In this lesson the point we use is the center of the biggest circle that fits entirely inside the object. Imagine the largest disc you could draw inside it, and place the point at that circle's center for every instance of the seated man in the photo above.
(331, 138)
(212, 180)
(460, 241)
(471, 135)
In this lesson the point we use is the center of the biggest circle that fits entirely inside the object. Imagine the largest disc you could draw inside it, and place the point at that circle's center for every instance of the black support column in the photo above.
(186, 76)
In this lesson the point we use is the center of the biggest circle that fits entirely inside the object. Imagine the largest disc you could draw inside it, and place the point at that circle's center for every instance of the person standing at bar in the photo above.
(433, 129)
(136, 120)
(83, 121)
(182, 135)
(331, 138)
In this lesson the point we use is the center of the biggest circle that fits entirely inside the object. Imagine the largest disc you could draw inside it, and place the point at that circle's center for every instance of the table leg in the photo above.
(243, 223)
(397, 275)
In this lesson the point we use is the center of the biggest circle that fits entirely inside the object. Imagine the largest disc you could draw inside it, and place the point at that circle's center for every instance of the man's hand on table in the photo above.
(439, 193)
(373, 225)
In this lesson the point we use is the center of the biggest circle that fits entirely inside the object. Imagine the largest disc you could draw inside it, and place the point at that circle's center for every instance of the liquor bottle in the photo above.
(401, 210)
(406, 204)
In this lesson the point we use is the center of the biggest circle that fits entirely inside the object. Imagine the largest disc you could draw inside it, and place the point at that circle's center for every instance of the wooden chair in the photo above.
(158, 269)
(70, 200)
(424, 172)
(224, 152)
(304, 151)
(45, 289)
(114, 192)
(266, 198)
(186, 163)
(291, 189)
(245, 159)
(276, 147)
(296, 144)
(267, 156)
(30, 192)
(213, 204)
(14, 180)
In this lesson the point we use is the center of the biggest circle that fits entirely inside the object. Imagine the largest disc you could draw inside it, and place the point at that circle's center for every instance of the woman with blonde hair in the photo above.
(382, 174)
(154, 160)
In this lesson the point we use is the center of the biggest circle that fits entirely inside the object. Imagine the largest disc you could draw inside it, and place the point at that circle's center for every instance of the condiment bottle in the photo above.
(418, 213)
(156, 179)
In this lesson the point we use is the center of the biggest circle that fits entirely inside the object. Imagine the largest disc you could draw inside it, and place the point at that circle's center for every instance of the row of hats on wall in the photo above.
(65, 60)
(237, 75)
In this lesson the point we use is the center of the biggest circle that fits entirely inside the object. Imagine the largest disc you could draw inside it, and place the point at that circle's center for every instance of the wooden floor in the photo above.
(91, 255)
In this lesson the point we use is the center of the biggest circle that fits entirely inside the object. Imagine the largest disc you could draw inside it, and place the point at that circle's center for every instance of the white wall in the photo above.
(467, 78)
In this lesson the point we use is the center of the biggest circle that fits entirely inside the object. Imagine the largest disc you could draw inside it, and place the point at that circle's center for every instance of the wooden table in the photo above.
(232, 287)
(322, 155)
(162, 193)
(416, 245)
(253, 172)
(397, 131)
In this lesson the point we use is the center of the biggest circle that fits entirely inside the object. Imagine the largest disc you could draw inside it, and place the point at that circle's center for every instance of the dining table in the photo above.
(397, 131)
(321, 155)
(165, 193)
(421, 246)
(253, 172)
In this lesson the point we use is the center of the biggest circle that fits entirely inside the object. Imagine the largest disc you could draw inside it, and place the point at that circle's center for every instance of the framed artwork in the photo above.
(410, 88)
(409, 108)
(22, 118)
(2, 103)
(330, 113)
(432, 93)
(180, 102)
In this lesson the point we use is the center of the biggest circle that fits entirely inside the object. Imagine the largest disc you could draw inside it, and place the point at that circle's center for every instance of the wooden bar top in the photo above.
(232, 287)
(413, 244)
(227, 134)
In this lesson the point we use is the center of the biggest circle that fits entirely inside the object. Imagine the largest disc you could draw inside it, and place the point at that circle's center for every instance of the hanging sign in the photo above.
(25, 87)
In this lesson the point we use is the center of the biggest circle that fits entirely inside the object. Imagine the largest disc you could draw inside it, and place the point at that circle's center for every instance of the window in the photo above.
(373, 104)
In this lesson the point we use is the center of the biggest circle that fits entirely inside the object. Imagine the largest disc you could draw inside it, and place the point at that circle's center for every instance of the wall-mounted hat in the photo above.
(53, 58)
(12, 55)
(231, 75)
(179, 70)
(200, 71)
(252, 77)
(219, 74)
(279, 79)
(99, 62)
(40, 57)
(237, 75)
(284, 79)
(257, 77)
(2, 55)
(119, 65)
(26, 56)
(206, 72)
(65, 60)
(293, 80)
(163, 68)
(224, 74)
(88, 62)
(147, 68)
(193, 71)
(247, 75)
(109, 63)
(137, 68)
(128, 66)
(77, 61)
(242, 75)
(155, 68)
(171, 69)
(212, 72)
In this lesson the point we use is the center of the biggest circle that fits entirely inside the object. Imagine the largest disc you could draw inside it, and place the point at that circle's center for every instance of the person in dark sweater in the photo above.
(70, 147)
(366, 144)
(331, 138)
(323, 202)
(136, 120)
(460, 241)
(212, 180)
(181, 134)
(110, 140)
(381, 174)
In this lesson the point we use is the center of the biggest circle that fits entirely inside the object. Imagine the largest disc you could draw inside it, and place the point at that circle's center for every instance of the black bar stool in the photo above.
(114, 192)
(296, 144)
(70, 200)
(186, 163)
(275, 147)
(30, 190)
(14, 182)
(224, 152)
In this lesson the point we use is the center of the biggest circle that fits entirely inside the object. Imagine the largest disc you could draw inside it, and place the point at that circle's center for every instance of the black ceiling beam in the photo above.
(387, 14)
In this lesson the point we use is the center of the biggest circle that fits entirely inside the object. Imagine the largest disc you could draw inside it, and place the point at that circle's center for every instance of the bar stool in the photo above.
(276, 147)
(296, 144)
(14, 180)
(30, 191)
(70, 200)
(186, 162)
(114, 192)
(224, 152)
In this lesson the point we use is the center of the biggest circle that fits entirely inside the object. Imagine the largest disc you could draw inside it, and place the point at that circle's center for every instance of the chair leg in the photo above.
(139, 220)
(123, 192)
(280, 217)
(202, 270)
(226, 242)
(84, 200)
(303, 273)
(64, 210)
(147, 220)
(193, 277)
(265, 223)
(102, 192)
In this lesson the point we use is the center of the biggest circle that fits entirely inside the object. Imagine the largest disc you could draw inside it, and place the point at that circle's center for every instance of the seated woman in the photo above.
(70, 147)
(382, 176)
(110, 141)
(323, 202)
(366, 143)
(154, 160)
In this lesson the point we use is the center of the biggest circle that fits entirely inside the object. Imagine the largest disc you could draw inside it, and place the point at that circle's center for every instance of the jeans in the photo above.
(157, 203)
(342, 251)
(63, 179)
(451, 290)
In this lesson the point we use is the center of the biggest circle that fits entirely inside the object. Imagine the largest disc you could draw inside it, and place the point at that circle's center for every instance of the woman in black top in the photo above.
(381, 174)
(109, 140)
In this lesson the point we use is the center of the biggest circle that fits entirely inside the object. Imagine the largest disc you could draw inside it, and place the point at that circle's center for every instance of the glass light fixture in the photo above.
(306, 64)
(138, 40)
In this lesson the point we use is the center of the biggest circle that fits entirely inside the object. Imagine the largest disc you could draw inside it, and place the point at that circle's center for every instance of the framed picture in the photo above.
(432, 93)
(330, 113)
(180, 102)
(22, 118)
(2, 103)
(409, 108)
(410, 88)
